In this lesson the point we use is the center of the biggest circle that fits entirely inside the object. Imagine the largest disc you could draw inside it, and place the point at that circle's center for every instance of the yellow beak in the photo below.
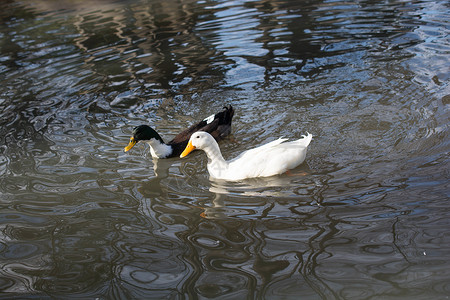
(130, 144)
(189, 148)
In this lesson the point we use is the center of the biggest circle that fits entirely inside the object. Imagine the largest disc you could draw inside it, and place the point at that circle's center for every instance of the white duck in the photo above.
(270, 159)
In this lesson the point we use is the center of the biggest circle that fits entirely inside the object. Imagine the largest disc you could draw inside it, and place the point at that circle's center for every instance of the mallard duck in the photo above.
(270, 159)
(218, 125)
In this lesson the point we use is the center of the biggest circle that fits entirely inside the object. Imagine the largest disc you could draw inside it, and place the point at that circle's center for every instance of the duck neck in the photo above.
(159, 149)
(216, 162)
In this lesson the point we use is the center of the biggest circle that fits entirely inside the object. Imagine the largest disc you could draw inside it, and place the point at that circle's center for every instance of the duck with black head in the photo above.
(218, 125)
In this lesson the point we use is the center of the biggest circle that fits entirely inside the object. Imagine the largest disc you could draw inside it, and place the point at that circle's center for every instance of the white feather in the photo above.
(270, 159)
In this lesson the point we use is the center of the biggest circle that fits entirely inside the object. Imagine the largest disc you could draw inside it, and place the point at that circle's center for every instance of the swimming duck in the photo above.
(218, 125)
(270, 159)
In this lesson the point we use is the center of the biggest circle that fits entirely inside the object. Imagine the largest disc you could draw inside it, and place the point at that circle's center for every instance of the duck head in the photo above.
(199, 140)
(142, 133)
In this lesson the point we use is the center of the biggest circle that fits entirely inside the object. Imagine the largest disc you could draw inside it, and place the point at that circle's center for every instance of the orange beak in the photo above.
(130, 144)
(189, 148)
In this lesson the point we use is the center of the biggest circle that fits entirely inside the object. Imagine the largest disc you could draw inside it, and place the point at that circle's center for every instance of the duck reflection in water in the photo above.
(163, 179)
(152, 187)
(282, 186)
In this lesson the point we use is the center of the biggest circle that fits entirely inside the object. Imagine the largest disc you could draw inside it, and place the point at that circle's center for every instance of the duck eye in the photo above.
(197, 136)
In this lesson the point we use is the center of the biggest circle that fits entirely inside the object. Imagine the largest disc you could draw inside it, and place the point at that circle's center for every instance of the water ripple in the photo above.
(363, 217)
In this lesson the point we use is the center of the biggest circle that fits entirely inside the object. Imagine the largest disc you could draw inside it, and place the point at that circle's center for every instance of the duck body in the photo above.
(270, 159)
(217, 125)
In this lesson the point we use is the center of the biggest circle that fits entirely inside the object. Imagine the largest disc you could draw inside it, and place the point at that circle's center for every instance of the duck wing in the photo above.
(218, 125)
(270, 159)
(248, 154)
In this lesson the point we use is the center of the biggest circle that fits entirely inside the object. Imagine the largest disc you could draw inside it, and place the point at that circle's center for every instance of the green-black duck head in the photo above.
(142, 133)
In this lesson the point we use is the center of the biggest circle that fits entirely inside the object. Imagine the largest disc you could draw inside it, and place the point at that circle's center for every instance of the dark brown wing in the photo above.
(218, 127)
(185, 135)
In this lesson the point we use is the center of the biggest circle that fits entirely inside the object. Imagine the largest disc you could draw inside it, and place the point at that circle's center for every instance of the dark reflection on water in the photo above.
(365, 216)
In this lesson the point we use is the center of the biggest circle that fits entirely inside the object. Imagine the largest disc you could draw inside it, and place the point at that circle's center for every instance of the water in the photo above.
(365, 217)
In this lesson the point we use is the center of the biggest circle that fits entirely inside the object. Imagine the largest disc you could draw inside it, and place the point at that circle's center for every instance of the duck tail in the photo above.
(229, 113)
(224, 116)
(306, 139)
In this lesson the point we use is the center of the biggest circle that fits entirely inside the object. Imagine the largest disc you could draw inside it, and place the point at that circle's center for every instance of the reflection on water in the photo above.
(364, 217)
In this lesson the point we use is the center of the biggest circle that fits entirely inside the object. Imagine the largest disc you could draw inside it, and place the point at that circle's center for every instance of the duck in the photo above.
(270, 159)
(217, 125)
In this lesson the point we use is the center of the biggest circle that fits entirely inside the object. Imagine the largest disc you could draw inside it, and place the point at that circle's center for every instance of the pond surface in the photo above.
(366, 216)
